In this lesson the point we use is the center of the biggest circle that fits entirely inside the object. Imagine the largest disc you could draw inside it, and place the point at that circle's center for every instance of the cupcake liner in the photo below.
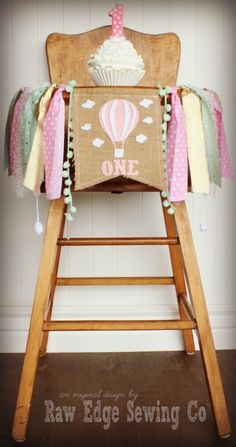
(108, 77)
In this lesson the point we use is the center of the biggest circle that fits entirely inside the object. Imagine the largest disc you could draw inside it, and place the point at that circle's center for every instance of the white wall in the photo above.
(207, 32)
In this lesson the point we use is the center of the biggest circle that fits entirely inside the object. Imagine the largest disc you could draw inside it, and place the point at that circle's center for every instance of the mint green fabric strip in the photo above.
(7, 135)
(211, 144)
(212, 151)
(28, 121)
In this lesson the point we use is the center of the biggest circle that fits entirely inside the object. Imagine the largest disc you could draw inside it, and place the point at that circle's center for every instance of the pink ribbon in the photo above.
(177, 160)
(225, 163)
(53, 133)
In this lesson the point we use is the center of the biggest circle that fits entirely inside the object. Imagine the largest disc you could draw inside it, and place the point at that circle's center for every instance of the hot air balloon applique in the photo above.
(118, 119)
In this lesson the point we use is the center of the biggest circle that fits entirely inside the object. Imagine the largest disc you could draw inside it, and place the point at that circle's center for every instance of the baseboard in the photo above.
(14, 323)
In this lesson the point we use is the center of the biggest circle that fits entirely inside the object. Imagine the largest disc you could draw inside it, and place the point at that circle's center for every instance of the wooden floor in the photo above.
(172, 378)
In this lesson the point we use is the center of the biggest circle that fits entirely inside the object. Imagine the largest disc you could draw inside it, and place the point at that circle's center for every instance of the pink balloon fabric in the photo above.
(225, 163)
(118, 118)
(53, 134)
(177, 159)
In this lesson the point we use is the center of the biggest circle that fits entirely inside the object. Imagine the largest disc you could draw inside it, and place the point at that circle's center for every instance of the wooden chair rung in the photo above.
(118, 241)
(117, 281)
(118, 325)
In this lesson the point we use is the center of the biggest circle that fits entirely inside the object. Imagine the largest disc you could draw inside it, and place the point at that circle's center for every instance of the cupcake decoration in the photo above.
(116, 62)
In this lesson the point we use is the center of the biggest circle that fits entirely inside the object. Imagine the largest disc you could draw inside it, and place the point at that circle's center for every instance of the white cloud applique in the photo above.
(148, 120)
(86, 126)
(89, 104)
(146, 103)
(141, 138)
(98, 142)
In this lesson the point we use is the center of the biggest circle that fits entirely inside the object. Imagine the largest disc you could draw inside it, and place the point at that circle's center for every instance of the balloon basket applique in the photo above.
(118, 152)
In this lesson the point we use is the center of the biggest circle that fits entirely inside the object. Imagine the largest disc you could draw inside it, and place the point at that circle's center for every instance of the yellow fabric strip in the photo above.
(196, 144)
(35, 168)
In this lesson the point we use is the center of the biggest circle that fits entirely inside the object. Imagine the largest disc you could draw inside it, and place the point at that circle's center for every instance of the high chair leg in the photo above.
(178, 272)
(55, 217)
(43, 349)
(207, 347)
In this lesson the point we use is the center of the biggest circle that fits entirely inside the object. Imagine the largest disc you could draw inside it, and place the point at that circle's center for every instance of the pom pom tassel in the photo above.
(38, 226)
(66, 165)
(203, 226)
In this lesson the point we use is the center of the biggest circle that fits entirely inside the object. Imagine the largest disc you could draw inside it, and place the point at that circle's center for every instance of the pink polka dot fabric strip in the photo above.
(53, 132)
(225, 163)
(177, 163)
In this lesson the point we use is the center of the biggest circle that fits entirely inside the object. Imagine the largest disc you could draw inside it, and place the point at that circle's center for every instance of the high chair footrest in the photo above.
(118, 325)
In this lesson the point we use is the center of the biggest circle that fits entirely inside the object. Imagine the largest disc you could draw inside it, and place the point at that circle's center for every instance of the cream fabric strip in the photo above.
(35, 168)
(196, 144)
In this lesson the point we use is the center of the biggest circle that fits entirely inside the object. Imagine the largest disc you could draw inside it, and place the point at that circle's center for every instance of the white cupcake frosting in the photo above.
(116, 53)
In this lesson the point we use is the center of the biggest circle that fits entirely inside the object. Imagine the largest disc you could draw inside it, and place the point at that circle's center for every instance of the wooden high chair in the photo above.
(67, 59)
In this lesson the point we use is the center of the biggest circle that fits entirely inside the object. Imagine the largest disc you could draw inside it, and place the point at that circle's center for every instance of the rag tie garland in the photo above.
(34, 174)
(225, 163)
(8, 130)
(210, 136)
(15, 149)
(196, 144)
(28, 121)
(53, 131)
(177, 161)
(193, 139)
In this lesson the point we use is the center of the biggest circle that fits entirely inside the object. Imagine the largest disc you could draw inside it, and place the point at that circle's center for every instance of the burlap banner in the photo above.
(117, 133)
